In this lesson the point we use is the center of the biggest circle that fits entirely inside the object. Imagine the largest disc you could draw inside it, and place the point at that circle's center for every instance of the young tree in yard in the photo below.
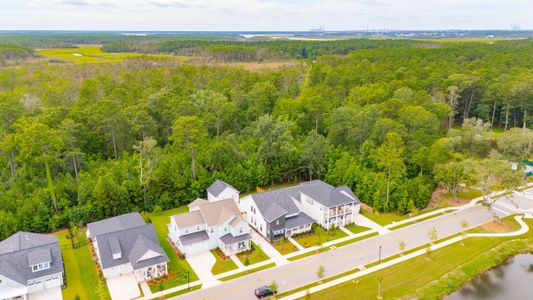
(389, 156)
(433, 235)
(148, 158)
(320, 273)
(464, 226)
(274, 286)
(380, 281)
(401, 245)
(490, 175)
(189, 132)
(451, 175)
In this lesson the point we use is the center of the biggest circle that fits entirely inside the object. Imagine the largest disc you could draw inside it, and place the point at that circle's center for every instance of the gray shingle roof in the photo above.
(39, 256)
(134, 243)
(195, 237)
(18, 251)
(114, 245)
(217, 187)
(299, 220)
(117, 223)
(229, 239)
(273, 204)
(328, 195)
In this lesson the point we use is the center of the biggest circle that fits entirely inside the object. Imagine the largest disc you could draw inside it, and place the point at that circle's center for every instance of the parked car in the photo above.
(264, 291)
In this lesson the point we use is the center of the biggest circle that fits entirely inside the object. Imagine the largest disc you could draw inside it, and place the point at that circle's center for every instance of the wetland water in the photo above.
(511, 280)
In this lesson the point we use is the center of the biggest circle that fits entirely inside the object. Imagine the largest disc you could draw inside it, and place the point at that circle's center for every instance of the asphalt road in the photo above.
(346, 258)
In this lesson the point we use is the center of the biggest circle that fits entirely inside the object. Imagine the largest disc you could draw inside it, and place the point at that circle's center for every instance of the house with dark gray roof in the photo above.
(31, 265)
(126, 245)
(209, 225)
(219, 190)
(293, 210)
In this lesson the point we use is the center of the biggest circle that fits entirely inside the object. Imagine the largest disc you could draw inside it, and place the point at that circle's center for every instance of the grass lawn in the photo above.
(254, 256)
(469, 194)
(356, 228)
(89, 54)
(422, 274)
(81, 272)
(508, 224)
(222, 265)
(420, 220)
(177, 267)
(311, 239)
(385, 218)
(284, 247)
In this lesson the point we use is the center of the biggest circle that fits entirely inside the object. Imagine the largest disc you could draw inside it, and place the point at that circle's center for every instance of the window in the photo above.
(211, 230)
(225, 229)
(197, 227)
(240, 230)
(40, 267)
(277, 222)
(1, 281)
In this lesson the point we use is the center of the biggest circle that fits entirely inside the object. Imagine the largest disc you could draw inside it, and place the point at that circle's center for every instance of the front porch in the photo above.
(151, 272)
(232, 245)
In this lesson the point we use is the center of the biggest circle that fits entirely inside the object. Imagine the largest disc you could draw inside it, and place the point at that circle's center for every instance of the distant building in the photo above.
(293, 210)
(31, 266)
(126, 245)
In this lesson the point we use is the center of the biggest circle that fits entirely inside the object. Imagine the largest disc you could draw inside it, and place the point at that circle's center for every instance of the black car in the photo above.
(264, 291)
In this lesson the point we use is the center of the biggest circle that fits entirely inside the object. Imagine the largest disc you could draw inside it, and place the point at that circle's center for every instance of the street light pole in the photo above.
(380, 254)
(188, 285)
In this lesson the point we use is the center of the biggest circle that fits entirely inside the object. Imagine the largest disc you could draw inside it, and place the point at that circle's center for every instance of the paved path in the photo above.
(342, 259)
(523, 229)
(361, 220)
(238, 262)
(295, 243)
(268, 248)
(348, 232)
(202, 263)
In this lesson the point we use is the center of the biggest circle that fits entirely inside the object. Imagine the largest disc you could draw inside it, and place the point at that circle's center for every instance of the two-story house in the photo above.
(126, 245)
(208, 225)
(31, 266)
(293, 210)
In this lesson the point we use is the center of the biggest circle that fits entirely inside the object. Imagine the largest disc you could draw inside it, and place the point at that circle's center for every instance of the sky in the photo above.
(263, 15)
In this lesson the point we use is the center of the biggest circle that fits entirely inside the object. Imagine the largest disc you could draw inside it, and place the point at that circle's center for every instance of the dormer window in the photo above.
(40, 267)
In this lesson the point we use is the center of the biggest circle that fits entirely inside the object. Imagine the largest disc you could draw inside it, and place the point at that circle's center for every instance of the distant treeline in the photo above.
(253, 51)
(72, 39)
(14, 52)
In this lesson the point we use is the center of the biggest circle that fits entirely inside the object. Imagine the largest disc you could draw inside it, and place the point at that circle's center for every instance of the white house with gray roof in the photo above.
(31, 266)
(293, 210)
(209, 225)
(126, 245)
(220, 190)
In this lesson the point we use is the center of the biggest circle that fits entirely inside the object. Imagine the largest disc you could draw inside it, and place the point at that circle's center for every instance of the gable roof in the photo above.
(134, 243)
(274, 204)
(197, 202)
(209, 213)
(216, 213)
(23, 249)
(218, 187)
(117, 223)
(188, 219)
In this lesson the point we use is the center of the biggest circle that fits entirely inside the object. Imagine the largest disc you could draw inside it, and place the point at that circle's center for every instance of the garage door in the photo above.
(52, 282)
(196, 248)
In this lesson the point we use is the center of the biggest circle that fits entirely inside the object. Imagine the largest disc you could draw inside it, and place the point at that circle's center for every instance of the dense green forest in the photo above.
(391, 119)
(254, 50)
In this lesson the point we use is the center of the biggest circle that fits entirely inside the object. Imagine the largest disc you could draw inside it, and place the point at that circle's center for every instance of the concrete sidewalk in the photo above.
(295, 243)
(268, 248)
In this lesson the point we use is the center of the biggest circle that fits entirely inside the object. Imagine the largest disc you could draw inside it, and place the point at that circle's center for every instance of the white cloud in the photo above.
(244, 15)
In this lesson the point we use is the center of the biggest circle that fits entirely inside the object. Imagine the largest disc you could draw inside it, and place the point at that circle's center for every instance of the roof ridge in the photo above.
(145, 224)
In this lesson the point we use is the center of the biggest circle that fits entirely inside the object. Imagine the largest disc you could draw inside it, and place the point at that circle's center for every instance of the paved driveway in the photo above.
(49, 294)
(202, 263)
(123, 287)
(342, 259)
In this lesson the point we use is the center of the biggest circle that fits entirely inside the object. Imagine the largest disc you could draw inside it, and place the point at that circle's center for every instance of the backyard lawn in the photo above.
(284, 247)
(254, 256)
(177, 267)
(80, 271)
(319, 234)
(223, 264)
